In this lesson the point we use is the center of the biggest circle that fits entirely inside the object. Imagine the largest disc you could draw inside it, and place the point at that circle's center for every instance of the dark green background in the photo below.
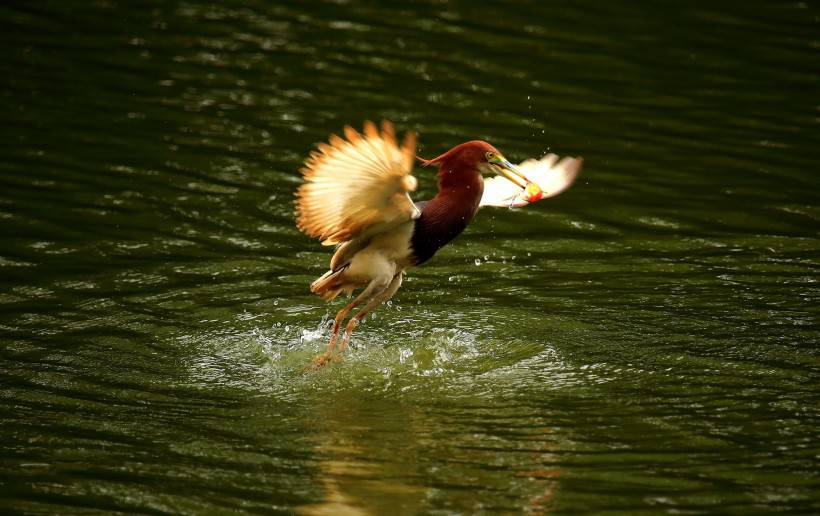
(646, 342)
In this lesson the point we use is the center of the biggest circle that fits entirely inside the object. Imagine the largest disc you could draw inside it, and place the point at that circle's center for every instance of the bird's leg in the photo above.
(337, 323)
(378, 299)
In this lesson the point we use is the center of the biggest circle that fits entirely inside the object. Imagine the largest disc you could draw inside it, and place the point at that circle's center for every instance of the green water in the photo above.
(645, 342)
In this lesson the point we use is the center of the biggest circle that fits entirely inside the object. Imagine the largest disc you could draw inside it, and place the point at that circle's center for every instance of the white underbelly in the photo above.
(386, 255)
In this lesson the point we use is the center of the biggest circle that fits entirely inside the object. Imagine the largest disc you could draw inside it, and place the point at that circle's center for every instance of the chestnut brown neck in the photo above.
(447, 214)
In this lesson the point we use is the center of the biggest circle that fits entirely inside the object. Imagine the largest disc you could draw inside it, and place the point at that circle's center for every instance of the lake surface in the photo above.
(645, 342)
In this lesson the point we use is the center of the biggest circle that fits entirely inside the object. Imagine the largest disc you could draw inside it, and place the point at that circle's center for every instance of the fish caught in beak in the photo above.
(500, 165)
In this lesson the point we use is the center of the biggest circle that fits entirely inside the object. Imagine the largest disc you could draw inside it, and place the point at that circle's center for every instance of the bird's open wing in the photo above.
(358, 185)
(551, 175)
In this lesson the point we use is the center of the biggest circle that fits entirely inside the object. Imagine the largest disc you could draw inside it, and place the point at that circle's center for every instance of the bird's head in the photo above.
(467, 161)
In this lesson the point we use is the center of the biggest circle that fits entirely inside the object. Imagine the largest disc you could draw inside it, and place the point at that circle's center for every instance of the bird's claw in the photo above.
(322, 360)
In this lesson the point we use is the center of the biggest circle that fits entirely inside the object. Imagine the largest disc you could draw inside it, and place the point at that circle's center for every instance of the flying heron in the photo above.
(355, 196)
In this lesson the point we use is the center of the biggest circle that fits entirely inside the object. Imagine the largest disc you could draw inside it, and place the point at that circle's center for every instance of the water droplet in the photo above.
(478, 261)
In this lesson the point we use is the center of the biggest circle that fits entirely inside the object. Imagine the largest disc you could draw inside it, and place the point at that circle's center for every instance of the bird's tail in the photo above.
(329, 284)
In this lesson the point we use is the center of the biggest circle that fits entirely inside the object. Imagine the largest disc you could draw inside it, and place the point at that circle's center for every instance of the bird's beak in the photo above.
(502, 166)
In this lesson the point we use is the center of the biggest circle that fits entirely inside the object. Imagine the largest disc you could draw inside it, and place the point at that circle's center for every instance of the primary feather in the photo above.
(357, 186)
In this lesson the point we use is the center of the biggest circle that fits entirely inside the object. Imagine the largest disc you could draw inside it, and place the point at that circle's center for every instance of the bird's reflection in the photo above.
(362, 469)
(546, 478)
(378, 457)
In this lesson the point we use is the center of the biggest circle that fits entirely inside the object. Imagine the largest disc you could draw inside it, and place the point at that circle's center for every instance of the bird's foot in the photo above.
(323, 359)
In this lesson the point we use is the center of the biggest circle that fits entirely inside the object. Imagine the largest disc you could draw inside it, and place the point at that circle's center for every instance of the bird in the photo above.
(355, 196)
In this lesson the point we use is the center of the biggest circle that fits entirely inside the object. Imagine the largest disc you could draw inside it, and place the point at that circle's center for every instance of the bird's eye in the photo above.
(489, 156)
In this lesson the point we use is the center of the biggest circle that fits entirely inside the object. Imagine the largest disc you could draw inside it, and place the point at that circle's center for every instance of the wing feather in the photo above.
(357, 185)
